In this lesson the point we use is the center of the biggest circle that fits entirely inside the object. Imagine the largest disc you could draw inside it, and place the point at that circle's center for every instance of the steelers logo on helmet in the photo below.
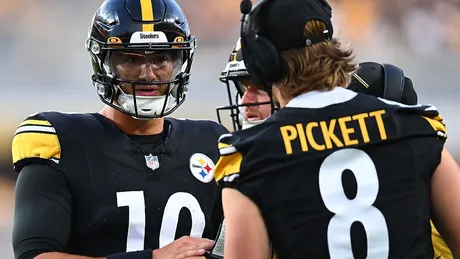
(202, 167)
(141, 54)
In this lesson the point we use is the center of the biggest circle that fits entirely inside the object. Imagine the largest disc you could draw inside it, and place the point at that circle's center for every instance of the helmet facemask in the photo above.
(236, 77)
(234, 93)
(131, 98)
(119, 84)
(235, 90)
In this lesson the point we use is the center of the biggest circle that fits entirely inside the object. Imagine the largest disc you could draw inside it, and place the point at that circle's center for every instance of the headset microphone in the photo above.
(245, 6)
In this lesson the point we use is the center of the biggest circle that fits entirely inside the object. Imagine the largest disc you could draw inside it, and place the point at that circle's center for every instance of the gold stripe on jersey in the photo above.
(35, 122)
(228, 165)
(436, 124)
(35, 139)
(439, 246)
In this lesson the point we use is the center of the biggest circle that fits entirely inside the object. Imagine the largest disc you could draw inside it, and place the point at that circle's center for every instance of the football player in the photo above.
(252, 103)
(126, 182)
(354, 175)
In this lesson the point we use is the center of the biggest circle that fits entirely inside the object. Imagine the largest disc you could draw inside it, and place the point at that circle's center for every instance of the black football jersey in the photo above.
(340, 175)
(123, 199)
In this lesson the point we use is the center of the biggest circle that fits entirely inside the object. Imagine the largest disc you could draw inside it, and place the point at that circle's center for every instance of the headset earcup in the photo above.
(261, 58)
(269, 60)
(259, 54)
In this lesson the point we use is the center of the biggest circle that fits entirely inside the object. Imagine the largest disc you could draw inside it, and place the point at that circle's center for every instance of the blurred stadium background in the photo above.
(44, 65)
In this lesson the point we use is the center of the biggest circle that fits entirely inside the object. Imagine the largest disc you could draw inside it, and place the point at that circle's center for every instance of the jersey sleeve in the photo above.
(227, 170)
(238, 167)
(35, 141)
(43, 201)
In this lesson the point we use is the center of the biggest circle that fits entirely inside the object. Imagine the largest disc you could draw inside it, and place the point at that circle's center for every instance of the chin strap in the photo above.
(245, 124)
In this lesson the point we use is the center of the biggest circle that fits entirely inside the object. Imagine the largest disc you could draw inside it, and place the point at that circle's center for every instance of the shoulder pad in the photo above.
(229, 165)
(35, 140)
(237, 153)
(428, 112)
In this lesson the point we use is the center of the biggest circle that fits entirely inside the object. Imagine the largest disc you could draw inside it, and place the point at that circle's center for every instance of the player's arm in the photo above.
(42, 213)
(445, 200)
(43, 204)
(245, 232)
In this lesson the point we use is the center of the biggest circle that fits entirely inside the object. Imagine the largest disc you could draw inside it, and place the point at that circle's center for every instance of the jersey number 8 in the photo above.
(359, 209)
(136, 228)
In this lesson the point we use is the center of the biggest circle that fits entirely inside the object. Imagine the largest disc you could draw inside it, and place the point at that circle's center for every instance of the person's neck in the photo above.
(132, 126)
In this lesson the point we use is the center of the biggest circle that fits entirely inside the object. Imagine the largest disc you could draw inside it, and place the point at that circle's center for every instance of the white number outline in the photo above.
(347, 211)
(135, 201)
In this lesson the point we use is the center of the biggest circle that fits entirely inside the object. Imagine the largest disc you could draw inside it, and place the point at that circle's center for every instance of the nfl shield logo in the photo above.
(152, 162)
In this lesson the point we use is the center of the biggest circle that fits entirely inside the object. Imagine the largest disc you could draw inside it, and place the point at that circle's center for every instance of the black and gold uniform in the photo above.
(340, 175)
(86, 188)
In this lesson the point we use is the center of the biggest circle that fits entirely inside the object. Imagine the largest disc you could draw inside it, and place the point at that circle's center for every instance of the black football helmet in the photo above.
(140, 26)
(236, 77)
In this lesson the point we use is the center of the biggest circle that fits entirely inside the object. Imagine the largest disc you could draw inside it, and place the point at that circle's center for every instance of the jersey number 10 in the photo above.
(136, 228)
(359, 209)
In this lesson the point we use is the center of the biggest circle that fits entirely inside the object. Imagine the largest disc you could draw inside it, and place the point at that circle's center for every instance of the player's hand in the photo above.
(184, 247)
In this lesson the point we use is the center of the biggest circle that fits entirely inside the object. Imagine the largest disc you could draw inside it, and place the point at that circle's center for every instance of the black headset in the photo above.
(394, 84)
(265, 64)
(260, 55)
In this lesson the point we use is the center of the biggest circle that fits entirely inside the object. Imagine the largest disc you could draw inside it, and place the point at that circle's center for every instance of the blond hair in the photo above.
(321, 66)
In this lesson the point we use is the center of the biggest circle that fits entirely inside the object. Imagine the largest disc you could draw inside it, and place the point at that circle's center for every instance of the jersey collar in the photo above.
(318, 99)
